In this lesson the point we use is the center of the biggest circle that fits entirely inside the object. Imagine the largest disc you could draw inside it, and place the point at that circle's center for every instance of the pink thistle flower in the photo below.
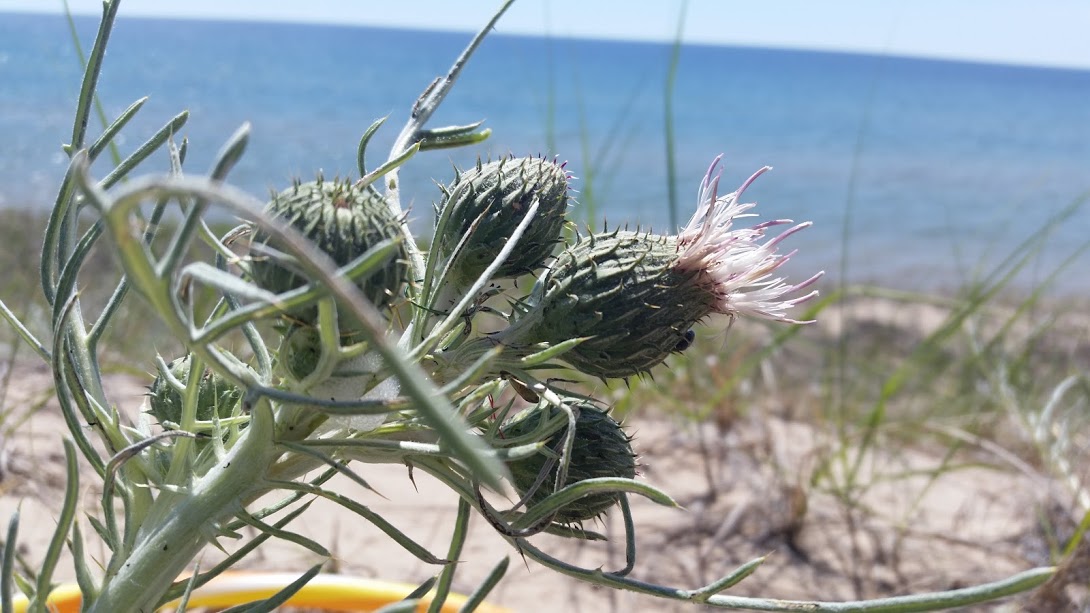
(732, 262)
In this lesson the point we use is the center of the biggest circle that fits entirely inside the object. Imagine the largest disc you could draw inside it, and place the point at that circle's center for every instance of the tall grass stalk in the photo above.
(668, 118)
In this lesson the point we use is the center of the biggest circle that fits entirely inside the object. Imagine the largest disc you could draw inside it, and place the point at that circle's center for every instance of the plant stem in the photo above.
(163, 550)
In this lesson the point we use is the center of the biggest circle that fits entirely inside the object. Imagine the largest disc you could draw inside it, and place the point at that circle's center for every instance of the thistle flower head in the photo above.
(634, 296)
(601, 448)
(485, 204)
(344, 221)
(216, 396)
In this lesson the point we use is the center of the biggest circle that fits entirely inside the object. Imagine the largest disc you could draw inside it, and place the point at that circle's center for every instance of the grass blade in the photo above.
(65, 518)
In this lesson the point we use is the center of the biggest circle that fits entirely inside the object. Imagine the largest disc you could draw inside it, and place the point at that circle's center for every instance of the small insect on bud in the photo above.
(635, 296)
(342, 220)
(485, 205)
(686, 341)
(600, 449)
(216, 396)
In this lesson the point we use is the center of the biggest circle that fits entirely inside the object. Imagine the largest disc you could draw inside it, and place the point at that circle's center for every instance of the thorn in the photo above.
(411, 478)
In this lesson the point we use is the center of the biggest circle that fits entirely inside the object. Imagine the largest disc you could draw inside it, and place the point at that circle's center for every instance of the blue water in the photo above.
(924, 170)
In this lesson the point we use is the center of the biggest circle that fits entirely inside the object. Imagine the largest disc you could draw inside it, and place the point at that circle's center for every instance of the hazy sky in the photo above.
(1048, 32)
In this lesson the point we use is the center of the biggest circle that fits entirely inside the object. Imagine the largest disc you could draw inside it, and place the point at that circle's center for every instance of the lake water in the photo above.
(916, 172)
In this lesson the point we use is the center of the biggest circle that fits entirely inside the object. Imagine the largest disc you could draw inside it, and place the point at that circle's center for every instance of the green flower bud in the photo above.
(600, 449)
(623, 293)
(215, 394)
(342, 220)
(634, 296)
(496, 196)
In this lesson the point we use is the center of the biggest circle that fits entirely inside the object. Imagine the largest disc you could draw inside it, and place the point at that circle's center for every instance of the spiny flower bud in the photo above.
(495, 197)
(342, 220)
(600, 449)
(623, 293)
(215, 394)
(634, 296)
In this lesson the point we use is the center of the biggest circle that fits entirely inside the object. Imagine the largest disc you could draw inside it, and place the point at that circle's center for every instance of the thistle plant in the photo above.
(335, 340)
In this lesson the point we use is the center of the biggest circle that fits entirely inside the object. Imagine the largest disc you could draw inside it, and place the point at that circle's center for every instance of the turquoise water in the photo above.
(931, 168)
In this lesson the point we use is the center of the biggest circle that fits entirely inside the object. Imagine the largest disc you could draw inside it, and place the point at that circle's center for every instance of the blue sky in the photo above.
(1043, 32)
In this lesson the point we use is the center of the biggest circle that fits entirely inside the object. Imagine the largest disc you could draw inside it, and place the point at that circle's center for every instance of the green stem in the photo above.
(164, 549)
(931, 601)
(457, 541)
(424, 108)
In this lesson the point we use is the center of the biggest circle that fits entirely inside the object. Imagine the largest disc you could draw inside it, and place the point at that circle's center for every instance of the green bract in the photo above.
(496, 196)
(300, 351)
(216, 395)
(624, 293)
(342, 220)
(600, 449)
